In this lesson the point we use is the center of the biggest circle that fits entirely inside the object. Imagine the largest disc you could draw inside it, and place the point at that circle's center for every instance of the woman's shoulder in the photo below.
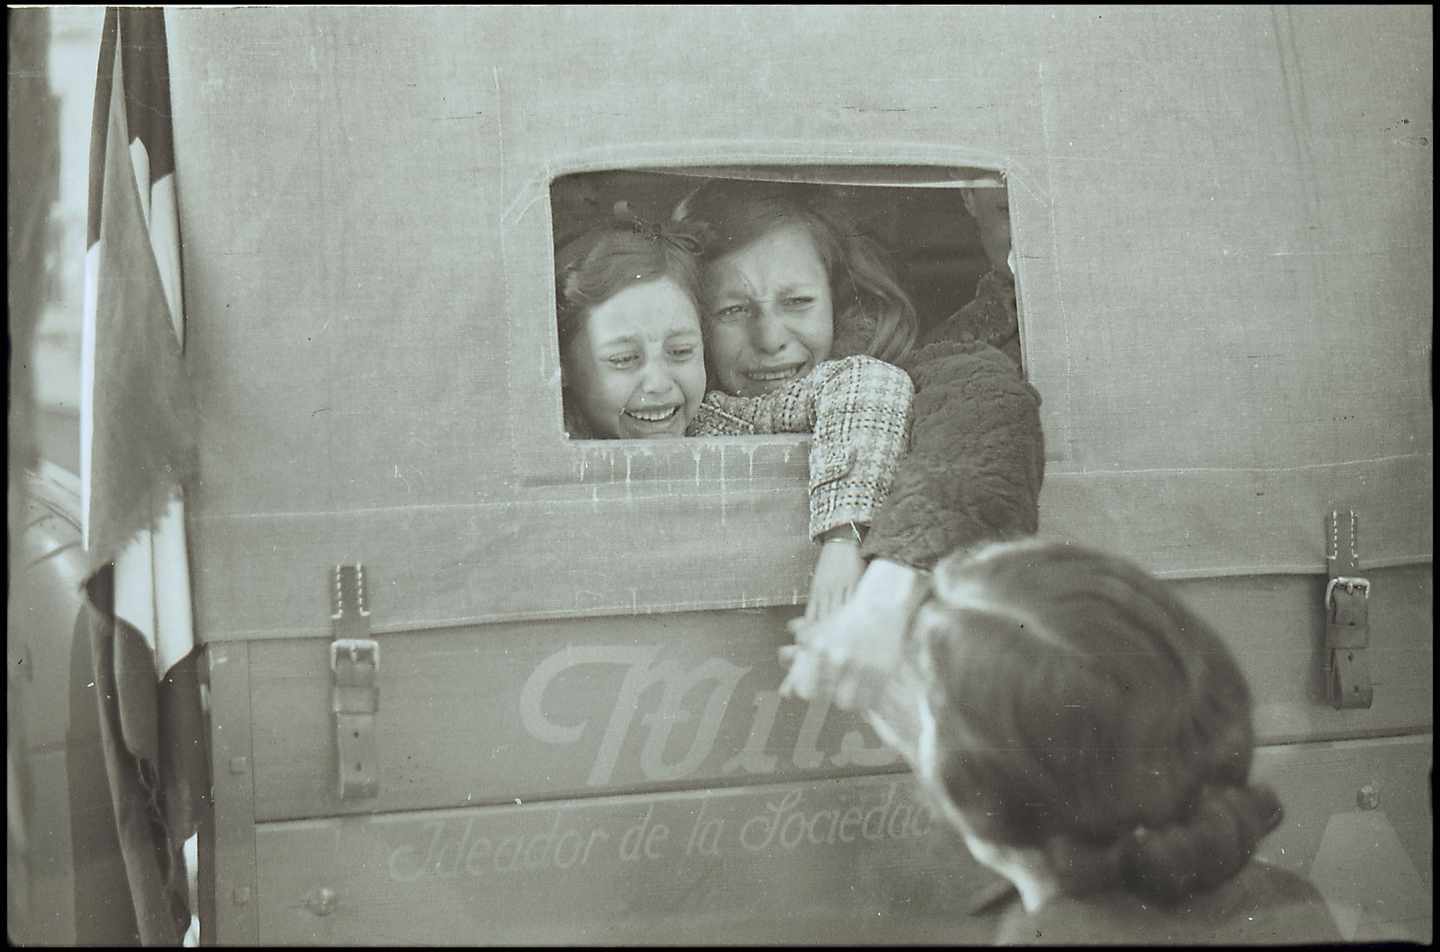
(1262, 904)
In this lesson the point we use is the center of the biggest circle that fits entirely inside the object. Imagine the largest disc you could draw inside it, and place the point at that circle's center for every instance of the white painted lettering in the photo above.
(410, 856)
(514, 844)
(475, 859)
(561, 859)
(595, 836)
(677, 685)
(658, 834)
(759, 830)
(829, 835)
(853, 750)
(752, 758)
(632, 838)
(877, 813)
(807, 756)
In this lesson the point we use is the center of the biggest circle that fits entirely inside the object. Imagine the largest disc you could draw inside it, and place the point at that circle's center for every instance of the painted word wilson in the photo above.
(700, 695)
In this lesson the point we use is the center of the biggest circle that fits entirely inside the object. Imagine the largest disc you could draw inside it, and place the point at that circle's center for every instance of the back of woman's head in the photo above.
(1081, 708)
(617, 253)
(873, 314)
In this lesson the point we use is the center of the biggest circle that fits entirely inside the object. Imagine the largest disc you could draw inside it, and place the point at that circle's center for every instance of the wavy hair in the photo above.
(618, 253)
(873, 314)
(1082, 709)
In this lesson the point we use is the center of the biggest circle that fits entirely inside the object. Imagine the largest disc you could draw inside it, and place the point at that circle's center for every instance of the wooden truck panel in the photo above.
(843, 861)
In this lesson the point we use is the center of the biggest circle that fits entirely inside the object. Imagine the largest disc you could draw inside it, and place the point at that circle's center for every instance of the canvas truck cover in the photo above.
(1225, 266)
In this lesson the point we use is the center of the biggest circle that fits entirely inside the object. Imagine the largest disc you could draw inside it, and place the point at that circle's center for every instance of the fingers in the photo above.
(834, 599)
(822, 603)
(811, 675)
(856, 690)
(801, 680)
(802, 630)
(827, 596)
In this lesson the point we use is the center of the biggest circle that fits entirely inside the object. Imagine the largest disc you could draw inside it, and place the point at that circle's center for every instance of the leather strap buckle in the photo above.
(354, 686)
(1347, 615)
(354, 663)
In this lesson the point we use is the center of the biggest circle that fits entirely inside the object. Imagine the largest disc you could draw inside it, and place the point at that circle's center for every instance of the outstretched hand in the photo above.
(850, 653)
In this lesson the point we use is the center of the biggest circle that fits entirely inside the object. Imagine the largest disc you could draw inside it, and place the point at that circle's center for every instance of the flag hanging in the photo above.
(137, 451)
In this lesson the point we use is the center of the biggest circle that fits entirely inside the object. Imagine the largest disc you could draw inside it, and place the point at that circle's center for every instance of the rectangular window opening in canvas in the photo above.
(670, 282)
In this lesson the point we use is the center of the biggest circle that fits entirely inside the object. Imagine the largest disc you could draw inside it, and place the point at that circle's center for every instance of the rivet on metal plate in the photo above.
(1368, 797)
(322, 901)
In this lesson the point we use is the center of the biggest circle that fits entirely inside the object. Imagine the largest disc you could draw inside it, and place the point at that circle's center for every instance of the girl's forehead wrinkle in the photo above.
(733, 278)
(657, 335)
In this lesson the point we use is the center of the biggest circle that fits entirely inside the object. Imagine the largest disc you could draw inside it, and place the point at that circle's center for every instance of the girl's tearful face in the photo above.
(636, 368)
(768, 312)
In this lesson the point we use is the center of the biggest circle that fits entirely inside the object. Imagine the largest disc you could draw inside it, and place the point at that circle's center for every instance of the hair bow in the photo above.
(685, 239)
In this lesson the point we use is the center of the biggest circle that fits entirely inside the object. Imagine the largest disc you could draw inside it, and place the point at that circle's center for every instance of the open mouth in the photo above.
(652, 417)
(775, 376)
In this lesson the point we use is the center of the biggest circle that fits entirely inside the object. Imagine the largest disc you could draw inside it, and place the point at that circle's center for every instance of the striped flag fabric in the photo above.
(137, 453)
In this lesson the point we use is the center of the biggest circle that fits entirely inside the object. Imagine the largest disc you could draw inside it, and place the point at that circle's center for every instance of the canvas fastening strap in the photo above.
(354, 685)
(1347, 614)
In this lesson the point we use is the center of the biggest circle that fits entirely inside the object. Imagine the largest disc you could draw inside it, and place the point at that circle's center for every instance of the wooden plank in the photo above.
(582, 707)
(487, 714)
(227, 835)
(852, 860)
(844, 860)
(1227, 522)
(1275, 626)
(1359, 824)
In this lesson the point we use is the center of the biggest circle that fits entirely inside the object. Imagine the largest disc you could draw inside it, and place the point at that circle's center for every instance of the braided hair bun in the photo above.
(1201, 851)
(1190, 855)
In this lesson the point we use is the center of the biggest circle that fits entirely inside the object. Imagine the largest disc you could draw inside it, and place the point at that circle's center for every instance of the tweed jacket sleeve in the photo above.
(859, 409)
(976, 459)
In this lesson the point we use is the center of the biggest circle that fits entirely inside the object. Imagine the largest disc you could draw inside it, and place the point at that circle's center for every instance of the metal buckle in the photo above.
(354, 685)
(360, 651)
(1351, 583)
(1347, 620)
(355, 669)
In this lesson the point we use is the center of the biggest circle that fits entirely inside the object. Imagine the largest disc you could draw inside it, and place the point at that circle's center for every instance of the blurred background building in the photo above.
(56, 268)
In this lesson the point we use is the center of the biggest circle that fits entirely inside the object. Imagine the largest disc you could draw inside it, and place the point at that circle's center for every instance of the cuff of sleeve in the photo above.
(827, 511)
(851, 533)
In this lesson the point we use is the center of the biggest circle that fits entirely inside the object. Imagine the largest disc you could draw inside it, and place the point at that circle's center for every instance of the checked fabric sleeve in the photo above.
(859, 410)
